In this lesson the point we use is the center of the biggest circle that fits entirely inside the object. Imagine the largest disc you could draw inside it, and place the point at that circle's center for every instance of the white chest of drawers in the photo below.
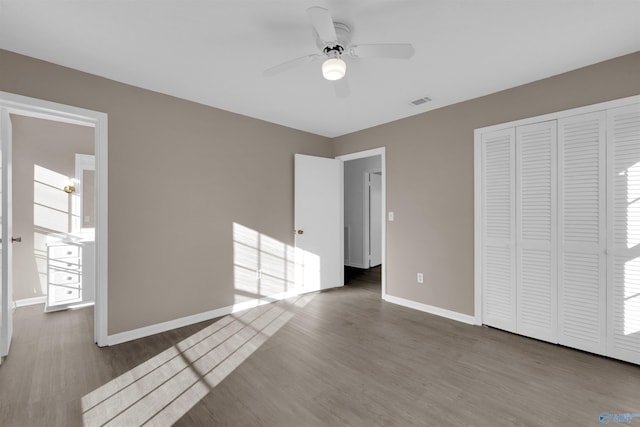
(70, 274)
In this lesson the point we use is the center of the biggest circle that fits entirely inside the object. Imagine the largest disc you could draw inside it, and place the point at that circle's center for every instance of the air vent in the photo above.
(421, 101)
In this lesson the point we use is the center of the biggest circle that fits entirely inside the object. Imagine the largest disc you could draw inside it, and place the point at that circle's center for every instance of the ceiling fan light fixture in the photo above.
(334, 69)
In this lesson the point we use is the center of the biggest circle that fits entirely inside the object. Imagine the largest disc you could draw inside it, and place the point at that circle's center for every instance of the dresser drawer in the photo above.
(63, 277)
(65, 264)
(64, 251)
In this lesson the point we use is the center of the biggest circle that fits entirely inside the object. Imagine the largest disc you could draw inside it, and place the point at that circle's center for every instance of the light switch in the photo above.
(390, 216)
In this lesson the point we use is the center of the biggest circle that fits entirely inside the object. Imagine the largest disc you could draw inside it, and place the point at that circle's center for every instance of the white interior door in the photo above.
(375, 219)
(6, 315)
(536, 222)
(318, 223)
(582, 292)
(623, 269)
(498, 229)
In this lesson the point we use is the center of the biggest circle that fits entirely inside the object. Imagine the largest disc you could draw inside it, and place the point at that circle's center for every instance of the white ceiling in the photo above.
(214, 51)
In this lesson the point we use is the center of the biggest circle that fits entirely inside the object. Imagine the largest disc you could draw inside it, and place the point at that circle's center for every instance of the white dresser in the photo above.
(70, 273)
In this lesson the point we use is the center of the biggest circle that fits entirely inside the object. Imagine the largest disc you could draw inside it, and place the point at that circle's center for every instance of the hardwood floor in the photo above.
(341, 357)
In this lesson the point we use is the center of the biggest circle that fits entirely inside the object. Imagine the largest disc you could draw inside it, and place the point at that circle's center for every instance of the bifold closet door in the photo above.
(623, 313)
(498, 229)
(582, 232)
(536, 225)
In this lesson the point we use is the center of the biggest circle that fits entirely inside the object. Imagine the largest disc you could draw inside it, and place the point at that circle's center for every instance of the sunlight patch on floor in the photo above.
(164, 388)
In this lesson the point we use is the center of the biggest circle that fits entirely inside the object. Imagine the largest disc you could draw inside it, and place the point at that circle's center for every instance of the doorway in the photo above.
(364, 225)
(16, 105)
(53, 213)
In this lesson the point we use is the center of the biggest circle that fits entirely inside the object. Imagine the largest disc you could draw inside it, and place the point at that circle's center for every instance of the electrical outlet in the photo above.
(390, 216)
(420, 278)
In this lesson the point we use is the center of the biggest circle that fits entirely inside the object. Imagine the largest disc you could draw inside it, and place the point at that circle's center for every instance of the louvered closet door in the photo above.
(581, 230)
(498, 218)
(536, 219)
(623, 141)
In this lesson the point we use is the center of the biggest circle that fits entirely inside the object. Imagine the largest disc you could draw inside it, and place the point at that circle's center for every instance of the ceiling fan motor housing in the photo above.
(334, 51)
(338, 46)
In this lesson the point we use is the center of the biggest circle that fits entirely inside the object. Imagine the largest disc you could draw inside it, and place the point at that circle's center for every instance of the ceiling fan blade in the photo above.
(323, 24)
(270, 72)
(341, 87)
(391, 50)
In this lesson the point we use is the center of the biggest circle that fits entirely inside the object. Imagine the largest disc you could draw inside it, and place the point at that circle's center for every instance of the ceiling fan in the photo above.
(333, 41)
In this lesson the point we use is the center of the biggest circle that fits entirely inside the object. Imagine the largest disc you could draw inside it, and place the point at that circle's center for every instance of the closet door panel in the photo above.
(623, 313)
(498, 236)
(536, 224)
(581, 230)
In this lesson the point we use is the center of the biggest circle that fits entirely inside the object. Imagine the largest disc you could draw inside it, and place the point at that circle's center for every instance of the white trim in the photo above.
(366, 217)
(362, 154)
(366, 228)
(7, 302)
(39, 108)
(101, 233)
(83, 162)
(31, 301)
(195, 318)
(346, 242)
(383, 167)
(453, 315)
(477, 226)
(341, 245)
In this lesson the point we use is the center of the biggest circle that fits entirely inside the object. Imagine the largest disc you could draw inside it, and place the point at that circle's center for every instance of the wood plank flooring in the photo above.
(345, 358)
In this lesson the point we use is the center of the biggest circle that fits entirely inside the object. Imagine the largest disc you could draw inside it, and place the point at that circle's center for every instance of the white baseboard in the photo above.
(146, 331)
(453, 315)
(31, 301)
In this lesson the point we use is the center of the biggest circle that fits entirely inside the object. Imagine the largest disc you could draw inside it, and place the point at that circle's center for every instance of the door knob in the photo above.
(300, 231)
(16, 239)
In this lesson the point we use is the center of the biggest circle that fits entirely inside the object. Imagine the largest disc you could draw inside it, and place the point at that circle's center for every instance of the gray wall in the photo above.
(50, 145)
(354, 206)
(430, 175)
(180, 175)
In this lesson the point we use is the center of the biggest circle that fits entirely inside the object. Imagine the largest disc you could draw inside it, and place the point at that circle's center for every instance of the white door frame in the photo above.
(366, 232)
(7, 238)
(83, 162)
(383, 165)
(37, 108)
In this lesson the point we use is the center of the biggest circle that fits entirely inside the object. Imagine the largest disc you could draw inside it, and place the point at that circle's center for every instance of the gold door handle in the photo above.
(300, 231)
(16, 239)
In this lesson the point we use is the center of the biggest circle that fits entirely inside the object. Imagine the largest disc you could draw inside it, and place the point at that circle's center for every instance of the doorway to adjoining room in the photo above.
(363, 222)
(54, 213)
